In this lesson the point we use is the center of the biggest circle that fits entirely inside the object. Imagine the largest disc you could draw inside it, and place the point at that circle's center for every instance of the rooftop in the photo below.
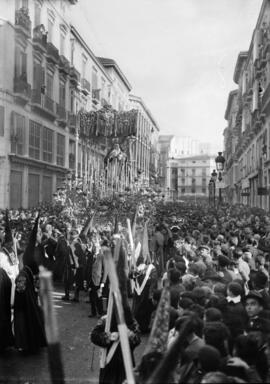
(110, 63)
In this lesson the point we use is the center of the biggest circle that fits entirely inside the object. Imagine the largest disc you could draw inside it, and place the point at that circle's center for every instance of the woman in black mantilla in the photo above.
(28, 318)
(6, 336)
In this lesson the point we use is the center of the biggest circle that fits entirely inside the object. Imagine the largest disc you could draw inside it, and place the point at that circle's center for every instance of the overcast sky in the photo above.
(178, 55)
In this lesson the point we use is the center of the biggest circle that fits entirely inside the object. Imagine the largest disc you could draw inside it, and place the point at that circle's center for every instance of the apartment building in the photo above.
(247, 136)
(145, 145)
(48, 75)
(188, 176)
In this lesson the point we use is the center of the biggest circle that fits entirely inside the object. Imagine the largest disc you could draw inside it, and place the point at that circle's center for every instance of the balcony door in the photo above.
(33, 190)
(15, 189)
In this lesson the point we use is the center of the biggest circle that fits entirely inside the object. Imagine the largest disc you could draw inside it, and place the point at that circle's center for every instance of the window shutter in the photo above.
(24, 65)
(17, 63)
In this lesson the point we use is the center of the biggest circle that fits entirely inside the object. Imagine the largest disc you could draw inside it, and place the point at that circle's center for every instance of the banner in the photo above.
(108, 122)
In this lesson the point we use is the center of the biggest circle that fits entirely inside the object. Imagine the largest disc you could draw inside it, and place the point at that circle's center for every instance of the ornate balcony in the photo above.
(23, 22)
(22, 89)
(95, 96)
(75, 76)
(64, 66)
(52, 53)
(40, 39)
(43, 104)
(85, 86)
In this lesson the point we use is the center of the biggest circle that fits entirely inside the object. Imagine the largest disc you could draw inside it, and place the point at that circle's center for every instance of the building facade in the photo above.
(185, 166)
(48, 75)
(145, 145)
(188, 177)
(247, 136)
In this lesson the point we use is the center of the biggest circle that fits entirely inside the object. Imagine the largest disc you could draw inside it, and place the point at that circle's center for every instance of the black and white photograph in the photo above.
(134, 191)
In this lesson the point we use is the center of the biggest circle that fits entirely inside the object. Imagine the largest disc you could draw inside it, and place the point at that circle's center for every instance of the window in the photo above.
(72, 50)
(2, 120)
(103, 95)
(72, 101)
(193, 190)
(38, 77)
(193, 172)
(183, 181)
(50, 30)
(17, 133)
(94, 79)
(84, 60)
(21, 4)
(62, 44)
(71, 154)
(47, 144)
(183, 190)
(49, 87)
(60, 154)
(203, 190)
(204, 171)
(37, 14)
(34, 140)
(20, 64)
(62, 94)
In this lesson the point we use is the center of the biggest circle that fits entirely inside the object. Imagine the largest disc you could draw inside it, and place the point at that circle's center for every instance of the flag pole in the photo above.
(54, 346)
(122, 328)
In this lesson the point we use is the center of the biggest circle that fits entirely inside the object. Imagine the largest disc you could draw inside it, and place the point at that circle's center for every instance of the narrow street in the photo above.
(80, 357)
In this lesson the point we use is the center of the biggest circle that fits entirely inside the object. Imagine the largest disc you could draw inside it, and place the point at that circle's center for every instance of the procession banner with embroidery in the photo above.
(108, 122)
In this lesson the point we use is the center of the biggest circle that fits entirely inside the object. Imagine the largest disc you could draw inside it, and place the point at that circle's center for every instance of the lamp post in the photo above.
(214, 178)
(220, 162)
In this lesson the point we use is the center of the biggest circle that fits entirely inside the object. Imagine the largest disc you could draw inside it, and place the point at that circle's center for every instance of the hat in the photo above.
(235, 288)
(260, 280)
(213, 314)
(255, 295)
(29, 258)
(8, 234)
(223, 261)
(209, 358)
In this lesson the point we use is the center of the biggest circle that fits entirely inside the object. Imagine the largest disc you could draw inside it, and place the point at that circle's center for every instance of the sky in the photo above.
(178, 55)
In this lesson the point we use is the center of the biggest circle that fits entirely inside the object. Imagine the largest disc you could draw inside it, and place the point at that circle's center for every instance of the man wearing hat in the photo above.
(254, 305)
(223, 264)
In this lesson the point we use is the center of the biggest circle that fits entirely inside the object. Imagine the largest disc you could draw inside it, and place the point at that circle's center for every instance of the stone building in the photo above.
(247, 137)
(48, 75)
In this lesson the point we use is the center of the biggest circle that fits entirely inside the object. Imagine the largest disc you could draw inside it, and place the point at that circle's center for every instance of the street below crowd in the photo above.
(80, 357)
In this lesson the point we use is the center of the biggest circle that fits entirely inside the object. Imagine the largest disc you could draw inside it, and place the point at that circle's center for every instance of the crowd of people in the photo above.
(196, 280)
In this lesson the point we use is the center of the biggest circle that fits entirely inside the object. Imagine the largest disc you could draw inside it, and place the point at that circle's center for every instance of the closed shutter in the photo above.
(47, 189)
(37, 77)
(15, 194)
(17, 62)
(33, 190)
(24, 65)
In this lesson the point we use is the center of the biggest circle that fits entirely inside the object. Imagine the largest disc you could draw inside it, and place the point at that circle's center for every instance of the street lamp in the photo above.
(220, 162)
(213, 181)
